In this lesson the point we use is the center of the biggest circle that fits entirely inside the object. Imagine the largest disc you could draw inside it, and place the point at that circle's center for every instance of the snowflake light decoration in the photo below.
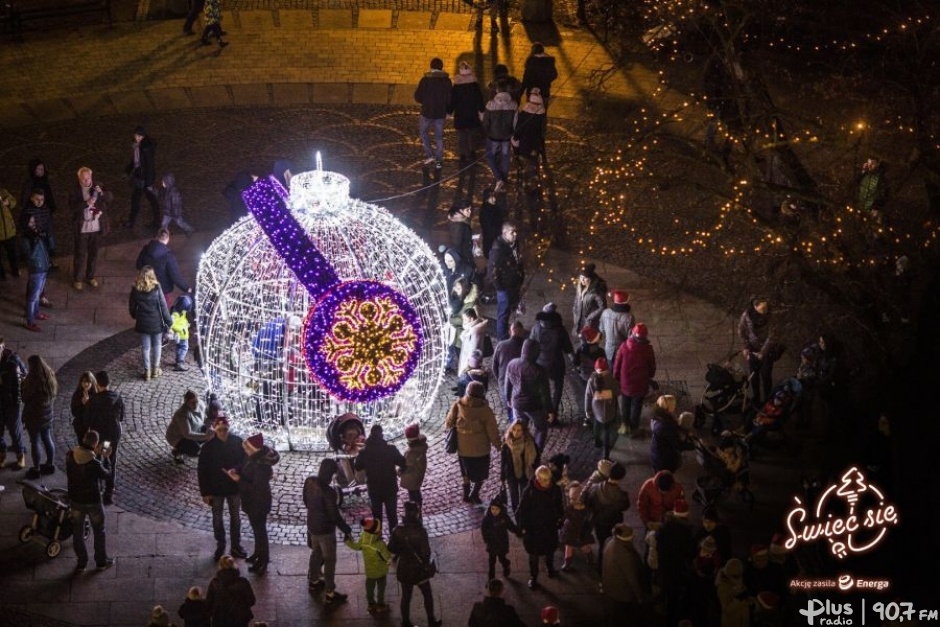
(317, 305)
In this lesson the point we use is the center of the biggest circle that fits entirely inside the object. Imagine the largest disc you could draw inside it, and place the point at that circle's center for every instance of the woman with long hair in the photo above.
(80, 397)
(148, 307)
(518, 460)
(39, 390)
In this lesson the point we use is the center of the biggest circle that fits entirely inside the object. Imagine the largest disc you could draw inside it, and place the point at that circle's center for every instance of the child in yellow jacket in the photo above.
(376, 556)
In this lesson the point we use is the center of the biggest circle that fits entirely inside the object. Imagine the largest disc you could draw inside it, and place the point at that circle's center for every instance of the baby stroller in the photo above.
(727, 391)
(346, 435)
(727, 469)
(51, 516)
(766, 424)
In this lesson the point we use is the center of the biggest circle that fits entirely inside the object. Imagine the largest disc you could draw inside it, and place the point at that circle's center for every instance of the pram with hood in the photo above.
(765, 424)
(51, 516)
(346, 435)
(727, 469)
(727, 392)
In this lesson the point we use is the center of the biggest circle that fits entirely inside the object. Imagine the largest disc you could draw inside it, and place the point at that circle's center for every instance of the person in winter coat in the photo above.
(233, 194)
(456, 268)
(433, 94)
(8, 234)
(499, 118)
(38, 264)
(717, 531)
(528, 138)
(511, 84)
(376, 558)
(409, 543)
(84, 390)
(39, 389)
(143, 176)
(476, 432)
(86, 466)
(12, 371)
(186, 433)
(495, 528)
(148, 308)
(194, 610)
(732, 595)
(507, 272)
(702, 600)
(89, 205)
(230, 596)
(539, 516)
(180, 312)
(462, 298)
(493, 610)
(760, 349)
(675, 547)
(472, 337)
(623, 578)
(105, 414)
(157, 255)
(554, 344)
(222, 452)
(589, 299)
(616, 322)
(466, 105)
(658, 495)
(37, 176)
(669, 439)
(323, 518)
(254, 487)
(577, 528)
(171, 203)
(460, 231)
(634, 368)
(600, 406)
(212, 12)
(607, 502)
(584, 358)
(379, 460)
(475, 371)
(505, 352)
(539, 72)
(527, 391)
(518, 460)
(416, 463)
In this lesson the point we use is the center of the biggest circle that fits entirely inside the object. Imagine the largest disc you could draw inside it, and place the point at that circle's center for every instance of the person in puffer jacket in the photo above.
(526, 389)
(499, 121)
(376, 557)
(171, 203)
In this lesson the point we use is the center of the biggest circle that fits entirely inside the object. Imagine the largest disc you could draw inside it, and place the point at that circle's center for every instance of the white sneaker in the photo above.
(500, 186)
(429, 161)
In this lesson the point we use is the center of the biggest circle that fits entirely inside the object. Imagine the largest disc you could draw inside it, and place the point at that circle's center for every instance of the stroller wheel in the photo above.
(26, 533)
(53, 548)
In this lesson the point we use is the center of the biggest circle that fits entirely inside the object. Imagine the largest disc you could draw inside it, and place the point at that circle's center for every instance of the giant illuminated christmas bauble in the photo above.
(316, 305)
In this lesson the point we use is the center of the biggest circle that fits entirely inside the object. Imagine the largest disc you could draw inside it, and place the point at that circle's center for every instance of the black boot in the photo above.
(475, 494)
(466, 493)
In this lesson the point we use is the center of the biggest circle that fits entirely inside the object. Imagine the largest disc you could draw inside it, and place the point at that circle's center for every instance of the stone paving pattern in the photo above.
(277, 92)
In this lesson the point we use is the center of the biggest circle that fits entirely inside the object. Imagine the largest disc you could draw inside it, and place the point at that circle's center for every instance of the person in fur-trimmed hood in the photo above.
(499, 119)
(530, 128)
(466, 105)
(416, 463)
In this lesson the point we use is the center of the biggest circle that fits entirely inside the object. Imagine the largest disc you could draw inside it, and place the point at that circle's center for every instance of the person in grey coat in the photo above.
(616, 322)
(623, 578)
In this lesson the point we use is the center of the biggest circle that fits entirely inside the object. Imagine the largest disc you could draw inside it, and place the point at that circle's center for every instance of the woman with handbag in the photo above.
(476, 428)
(416, 566)
(148, 308)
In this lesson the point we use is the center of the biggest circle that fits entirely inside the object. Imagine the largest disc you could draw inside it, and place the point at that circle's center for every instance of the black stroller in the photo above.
(727, 469)
(346, 435)
(727, 392)
(51, 516)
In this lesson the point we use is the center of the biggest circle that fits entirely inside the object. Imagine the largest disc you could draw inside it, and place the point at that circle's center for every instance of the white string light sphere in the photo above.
(316, 305)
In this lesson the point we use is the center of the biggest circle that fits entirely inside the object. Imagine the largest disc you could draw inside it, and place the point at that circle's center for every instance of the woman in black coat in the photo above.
(668, 440)
(409, 543)
(230, 596)
(147, 306)
(254, 487)
(539, 516)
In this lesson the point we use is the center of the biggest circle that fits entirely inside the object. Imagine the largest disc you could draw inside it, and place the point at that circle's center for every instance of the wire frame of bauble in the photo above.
(251, 309)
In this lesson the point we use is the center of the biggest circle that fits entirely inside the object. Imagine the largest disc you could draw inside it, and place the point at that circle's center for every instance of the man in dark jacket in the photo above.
(499, 123)
(379, 459)
(513, 84)
(539, 72)
(433, 94)
(493, 609)
(549, 331)
(323, 517)
(216, 457)
(607, 502)
(507, 273)
(12, 371)
(505, 352)
(143, 173)
(760, 350)
(675, 544)
(157, 255)
(84, 470)
(104, 413)
(527, 391)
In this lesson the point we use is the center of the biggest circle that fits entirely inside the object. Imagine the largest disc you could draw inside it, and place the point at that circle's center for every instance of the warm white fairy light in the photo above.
(252, 308)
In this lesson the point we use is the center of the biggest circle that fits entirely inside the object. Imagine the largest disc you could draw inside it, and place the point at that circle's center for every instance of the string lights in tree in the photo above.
(317, 305)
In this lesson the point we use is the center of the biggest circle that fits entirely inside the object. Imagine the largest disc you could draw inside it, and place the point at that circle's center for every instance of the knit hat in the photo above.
(159, 617)
(667, 402)
(412, 432)
(476, 389)
(194, 593)
(603, 467)
(624, 532)
(618, 471)
(681, 508)
(640, 330)
(140, 130)
(543, 472)
(587, 270)
(371, 525)
(476, 359)
(550, 615)
(590, 334)
(734, 568)
(601, 365)
(464, 68)
(256, 441)
(549, 308)
(778, 544)
(620, 297)
(686, 419)
(708, 545)
(768, 600)
(758, 550)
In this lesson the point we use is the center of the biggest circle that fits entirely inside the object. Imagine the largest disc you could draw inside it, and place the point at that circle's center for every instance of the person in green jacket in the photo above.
(376, 556)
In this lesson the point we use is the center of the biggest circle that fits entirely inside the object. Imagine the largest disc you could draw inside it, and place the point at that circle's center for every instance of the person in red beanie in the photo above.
(254, 486)
(634, 369)
(600, 405)
(616, 322)
(551, 615)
